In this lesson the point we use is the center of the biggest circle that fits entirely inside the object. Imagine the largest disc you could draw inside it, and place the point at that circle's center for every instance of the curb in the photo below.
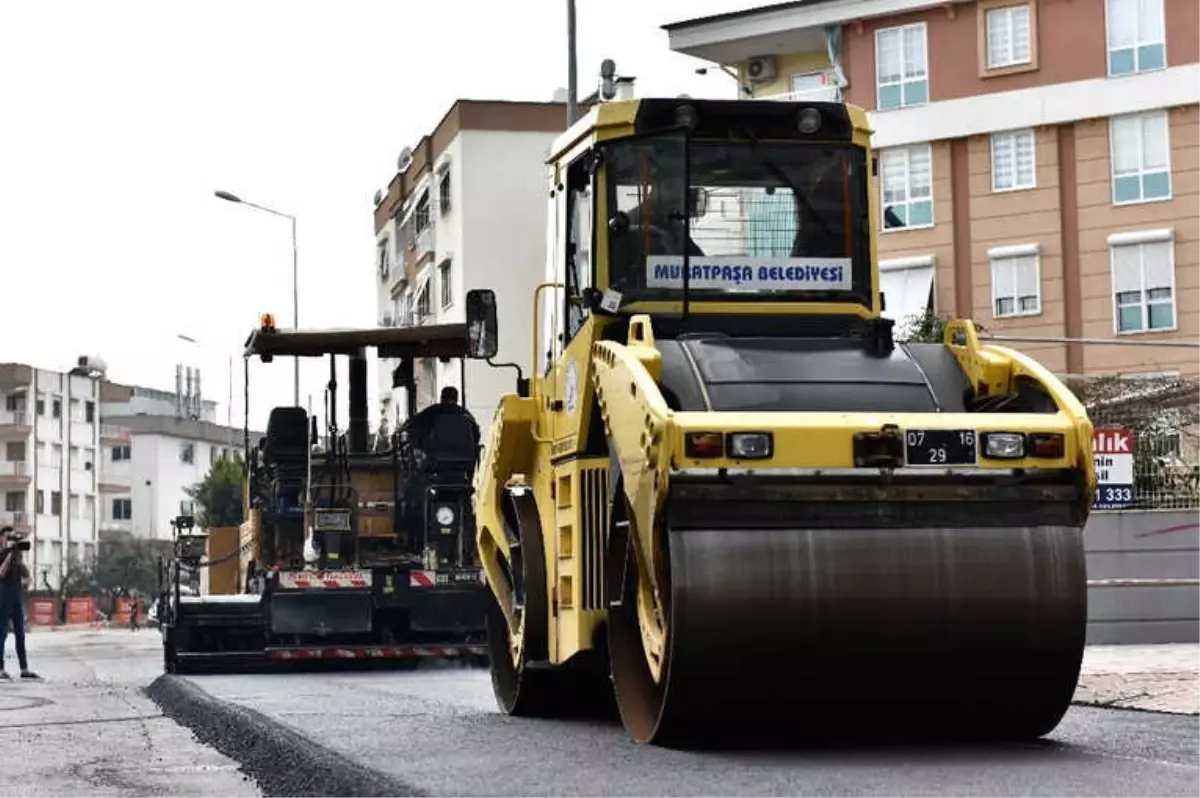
(281, 762)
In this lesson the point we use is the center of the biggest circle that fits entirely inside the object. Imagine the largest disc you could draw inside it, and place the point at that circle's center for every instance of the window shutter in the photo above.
(920, 173)
(1126, 269)
(1125, 145)
(1156, 259)
(1154, 142)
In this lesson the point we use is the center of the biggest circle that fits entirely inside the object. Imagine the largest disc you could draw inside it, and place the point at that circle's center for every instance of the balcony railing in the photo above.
(14, 468)
(14, 418)
(111, 432)
(825, 94)
(18, 518)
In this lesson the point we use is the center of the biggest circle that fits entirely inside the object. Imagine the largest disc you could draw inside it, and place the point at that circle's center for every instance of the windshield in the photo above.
(771, 222)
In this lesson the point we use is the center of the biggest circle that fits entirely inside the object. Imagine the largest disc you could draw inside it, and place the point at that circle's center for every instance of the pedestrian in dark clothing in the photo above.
(133, 615)
(14, 576)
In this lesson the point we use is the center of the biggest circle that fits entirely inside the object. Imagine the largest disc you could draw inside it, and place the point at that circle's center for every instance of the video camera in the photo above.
(15, 543)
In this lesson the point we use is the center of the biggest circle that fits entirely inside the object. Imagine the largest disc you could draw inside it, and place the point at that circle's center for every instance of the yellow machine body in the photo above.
(602, 446)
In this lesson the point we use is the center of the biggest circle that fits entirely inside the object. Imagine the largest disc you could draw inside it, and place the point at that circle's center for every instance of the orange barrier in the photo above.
(81, 610)
(43, 612)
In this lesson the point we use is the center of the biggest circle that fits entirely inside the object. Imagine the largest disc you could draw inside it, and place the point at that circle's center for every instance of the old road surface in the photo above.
(437, 731)
(88, 729)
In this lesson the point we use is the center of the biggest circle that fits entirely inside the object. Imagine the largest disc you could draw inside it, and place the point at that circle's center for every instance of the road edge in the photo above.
(281, 761)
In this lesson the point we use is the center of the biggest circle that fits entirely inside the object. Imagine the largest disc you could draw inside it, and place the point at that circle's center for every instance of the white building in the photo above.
(49, 435)
(155, 445)
(466, 210)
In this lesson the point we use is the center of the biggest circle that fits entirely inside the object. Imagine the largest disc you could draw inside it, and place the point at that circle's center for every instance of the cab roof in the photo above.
(433, 340)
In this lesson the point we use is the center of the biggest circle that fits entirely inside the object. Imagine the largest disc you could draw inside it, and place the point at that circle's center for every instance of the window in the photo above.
(907, 185)
(907, 288)
(14, 501)
(422, 213)
(1009, 36)
(56, 455)
(55, 503)
(1136, 36)
(1016, 281)
(1012, 161)
(40, 501)
(56, 408)
(901, 74)
(89, 412)
(212, 455)
(14, 451)
(41, 406)
(423, 304)
(122, 509)
(382, 262)
(1143, 273)
(445, 287)
(444, 191)
(1141, 162)
(120, 453)
(187, 452)
(14, 402)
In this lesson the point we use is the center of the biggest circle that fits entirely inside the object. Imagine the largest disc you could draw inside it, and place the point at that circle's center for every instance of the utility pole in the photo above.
(572, 80)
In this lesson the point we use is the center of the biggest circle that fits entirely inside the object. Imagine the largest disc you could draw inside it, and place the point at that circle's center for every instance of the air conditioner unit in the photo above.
(762, 69)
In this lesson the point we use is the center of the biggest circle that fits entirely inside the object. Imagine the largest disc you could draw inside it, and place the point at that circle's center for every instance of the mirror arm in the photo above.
(522, 382)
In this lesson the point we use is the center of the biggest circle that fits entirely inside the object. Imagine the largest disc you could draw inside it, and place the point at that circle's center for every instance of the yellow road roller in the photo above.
(727, 500)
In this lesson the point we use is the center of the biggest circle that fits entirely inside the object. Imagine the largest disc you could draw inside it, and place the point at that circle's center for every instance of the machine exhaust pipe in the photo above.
(358, 402)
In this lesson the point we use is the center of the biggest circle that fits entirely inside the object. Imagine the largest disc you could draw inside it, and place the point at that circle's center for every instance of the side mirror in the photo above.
(482, 327)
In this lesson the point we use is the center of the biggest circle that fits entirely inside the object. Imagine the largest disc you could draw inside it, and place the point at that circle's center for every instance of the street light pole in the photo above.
(225, 195)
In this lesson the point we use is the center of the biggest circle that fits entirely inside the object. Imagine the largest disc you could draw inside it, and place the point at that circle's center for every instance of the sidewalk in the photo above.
(1160, 678)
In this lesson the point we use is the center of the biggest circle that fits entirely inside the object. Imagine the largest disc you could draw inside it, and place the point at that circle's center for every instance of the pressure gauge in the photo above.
(445, 516)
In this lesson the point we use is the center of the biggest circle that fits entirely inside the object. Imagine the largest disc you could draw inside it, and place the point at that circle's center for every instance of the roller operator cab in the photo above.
(352, 547)
(727, 497)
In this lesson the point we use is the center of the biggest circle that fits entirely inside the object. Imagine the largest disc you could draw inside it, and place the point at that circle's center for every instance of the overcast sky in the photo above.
(120, 119)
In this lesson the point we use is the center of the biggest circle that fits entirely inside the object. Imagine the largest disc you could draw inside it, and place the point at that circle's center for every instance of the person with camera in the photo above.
(14, 578)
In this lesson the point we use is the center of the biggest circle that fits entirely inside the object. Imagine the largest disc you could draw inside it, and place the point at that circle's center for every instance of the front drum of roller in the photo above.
(788, 634)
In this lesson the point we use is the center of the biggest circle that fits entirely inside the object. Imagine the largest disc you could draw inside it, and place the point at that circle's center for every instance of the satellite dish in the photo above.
(560, 95)
(378, 196)
(405, 159)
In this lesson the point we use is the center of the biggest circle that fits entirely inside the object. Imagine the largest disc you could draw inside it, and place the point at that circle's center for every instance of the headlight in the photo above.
(750, 445)
(445, 516)
(809, 121)
(1004, 445)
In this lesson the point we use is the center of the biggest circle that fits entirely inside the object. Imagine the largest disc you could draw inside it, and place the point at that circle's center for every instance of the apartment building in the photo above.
(154, 446)
(466, 209)
(1039, 157)
(49, 436)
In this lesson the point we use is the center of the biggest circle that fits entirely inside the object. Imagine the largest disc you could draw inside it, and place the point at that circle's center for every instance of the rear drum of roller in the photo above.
(806, 634)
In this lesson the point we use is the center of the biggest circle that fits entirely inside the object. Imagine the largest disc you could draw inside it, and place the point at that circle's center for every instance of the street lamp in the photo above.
(225, 195)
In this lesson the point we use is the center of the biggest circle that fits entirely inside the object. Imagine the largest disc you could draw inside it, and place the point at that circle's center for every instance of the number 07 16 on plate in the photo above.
(934, 448)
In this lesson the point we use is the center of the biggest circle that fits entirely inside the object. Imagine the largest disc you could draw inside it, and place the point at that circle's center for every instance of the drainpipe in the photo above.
(65, 412)
(31, 409)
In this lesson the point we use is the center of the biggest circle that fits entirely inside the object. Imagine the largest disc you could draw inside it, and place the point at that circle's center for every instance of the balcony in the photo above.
(113, 525)
(111, 433)
(425, 242)
(18, 519)
(824, 94)
(14, 470)
(15, 421)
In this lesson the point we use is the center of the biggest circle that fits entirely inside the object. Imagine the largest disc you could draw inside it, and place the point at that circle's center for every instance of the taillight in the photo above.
(1049, 445)
(703, 444)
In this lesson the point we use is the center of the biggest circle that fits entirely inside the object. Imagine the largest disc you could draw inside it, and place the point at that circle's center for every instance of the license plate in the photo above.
(457, 577)
(940, 447)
